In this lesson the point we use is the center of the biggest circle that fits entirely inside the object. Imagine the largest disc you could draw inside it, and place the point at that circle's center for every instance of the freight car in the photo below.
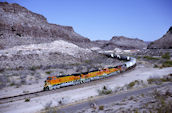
(73, 79)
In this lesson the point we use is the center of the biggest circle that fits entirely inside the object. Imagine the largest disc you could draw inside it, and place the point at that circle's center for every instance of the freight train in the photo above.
(55, 82)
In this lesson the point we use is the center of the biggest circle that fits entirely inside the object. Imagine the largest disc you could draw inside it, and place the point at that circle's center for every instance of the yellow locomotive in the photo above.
(73, 79)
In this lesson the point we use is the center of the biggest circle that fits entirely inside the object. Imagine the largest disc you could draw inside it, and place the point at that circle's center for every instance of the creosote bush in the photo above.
(48, 72)
(101, 107)
(167, 63)
(27, 99)
(166, 56)
(158, 80)
(131, 84)
(105, 91)
(151, 58)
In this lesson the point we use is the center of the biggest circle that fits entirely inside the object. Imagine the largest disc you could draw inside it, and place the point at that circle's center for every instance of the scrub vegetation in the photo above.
(104, 91)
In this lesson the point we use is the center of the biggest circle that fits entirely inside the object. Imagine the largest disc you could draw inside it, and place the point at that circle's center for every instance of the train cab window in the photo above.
(49, 78)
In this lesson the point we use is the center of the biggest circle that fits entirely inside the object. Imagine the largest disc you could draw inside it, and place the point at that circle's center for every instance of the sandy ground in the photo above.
(13, 90)
(139, 73)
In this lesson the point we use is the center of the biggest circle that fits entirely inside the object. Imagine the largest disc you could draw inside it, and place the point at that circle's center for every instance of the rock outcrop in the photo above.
(163, 43)
(19, 26)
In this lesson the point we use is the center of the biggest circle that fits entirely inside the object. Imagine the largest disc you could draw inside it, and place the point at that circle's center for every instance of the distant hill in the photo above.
(122, 42)
(165, 42)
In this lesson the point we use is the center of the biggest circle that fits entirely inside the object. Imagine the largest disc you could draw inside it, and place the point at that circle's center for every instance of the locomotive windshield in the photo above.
(49, 78)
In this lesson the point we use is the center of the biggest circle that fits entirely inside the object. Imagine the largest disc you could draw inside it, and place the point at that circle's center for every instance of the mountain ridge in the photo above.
(165, 42)
(21, 27)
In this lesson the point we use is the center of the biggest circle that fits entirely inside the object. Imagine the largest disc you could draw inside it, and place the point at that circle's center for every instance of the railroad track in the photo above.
(43, 93)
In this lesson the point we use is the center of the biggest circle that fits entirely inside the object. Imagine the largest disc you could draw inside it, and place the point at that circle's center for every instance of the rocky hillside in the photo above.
(19, 26)
(121, 42)
(32, 49)
(165, 42)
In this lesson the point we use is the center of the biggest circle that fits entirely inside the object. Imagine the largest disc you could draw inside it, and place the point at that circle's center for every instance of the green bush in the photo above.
(87, 61)
(131, 84)
(153, 80)
(48, 72)
(158, 80)
(27, 100)
(167, 63)
(151, 58)
(166, 56)
(155, 66)
(101, 107)
(104, 91)
(12, 84)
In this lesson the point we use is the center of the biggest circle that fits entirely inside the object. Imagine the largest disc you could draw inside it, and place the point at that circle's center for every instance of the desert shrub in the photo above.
(27, 99)
(19, 34)
(105, 91)
(101, 107)
(12, 84)
(154, 80)
(167, 78)
(2, 70)
(87, 61)
(53, 110)
(131, 98)
(151, 58)
(48, 72)
(138, 57)
(131, 84)
(166, 56)
(158, 80)
(155, 66)
(167, 63)
(142, 95)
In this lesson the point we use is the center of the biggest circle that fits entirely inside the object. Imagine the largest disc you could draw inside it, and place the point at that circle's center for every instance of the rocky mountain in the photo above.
(121, 42)
(32, 49)
(19, 26)
(165, 42)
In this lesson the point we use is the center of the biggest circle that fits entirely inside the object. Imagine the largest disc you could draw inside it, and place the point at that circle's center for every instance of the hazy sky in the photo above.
(102, 19)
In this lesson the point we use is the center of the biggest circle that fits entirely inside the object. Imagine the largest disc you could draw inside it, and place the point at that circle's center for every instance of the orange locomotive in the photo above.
(73, 79)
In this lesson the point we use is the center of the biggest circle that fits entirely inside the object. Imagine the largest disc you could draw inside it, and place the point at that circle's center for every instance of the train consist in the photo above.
(54, 82)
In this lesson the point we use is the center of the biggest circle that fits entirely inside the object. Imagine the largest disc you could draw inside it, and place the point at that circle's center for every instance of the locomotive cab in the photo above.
(47, 83)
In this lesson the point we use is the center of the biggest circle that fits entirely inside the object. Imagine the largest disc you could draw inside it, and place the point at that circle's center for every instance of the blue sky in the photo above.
(102, 19)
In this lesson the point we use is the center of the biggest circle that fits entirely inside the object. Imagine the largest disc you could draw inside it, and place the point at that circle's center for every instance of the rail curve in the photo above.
(94, 75)
(55, 82)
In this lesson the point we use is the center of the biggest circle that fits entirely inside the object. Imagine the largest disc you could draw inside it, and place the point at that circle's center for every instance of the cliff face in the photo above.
(19, 26)
(165, 42)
